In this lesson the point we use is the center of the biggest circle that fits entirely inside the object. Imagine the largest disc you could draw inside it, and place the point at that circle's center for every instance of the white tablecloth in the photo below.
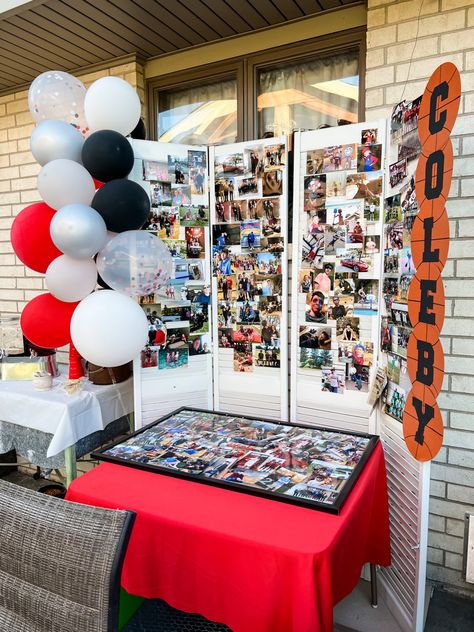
(67, 417)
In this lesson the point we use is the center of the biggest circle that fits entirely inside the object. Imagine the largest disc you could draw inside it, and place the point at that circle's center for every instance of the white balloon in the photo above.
(70, 279)
(51, 140)
(60, 96)
(62, 182)
(78, 231)
(108, 328)
(112, 103)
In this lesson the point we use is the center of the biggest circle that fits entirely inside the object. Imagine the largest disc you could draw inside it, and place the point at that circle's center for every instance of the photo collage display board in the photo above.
(248, 192)
(314, 467)
(176, 361)
(400, 210)
(339, 181)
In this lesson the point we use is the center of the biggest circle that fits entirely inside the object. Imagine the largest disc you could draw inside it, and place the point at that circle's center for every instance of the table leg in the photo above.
(70, 462)
(131, 421)
(373, 585)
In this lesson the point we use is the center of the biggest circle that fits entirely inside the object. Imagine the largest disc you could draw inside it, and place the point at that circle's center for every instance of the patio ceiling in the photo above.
(40, 35)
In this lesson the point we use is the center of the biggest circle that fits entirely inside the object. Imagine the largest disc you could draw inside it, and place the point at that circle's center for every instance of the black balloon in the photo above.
(107, 155)
(139, 133)
(123, 204)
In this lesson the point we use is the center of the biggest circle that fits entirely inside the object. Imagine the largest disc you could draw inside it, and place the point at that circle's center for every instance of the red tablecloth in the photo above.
(254, 564)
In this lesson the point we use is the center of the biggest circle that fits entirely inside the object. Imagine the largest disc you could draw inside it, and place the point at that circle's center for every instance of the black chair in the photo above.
(60, 563)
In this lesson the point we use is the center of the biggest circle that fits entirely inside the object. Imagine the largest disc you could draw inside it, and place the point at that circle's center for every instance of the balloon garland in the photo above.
(90, 212)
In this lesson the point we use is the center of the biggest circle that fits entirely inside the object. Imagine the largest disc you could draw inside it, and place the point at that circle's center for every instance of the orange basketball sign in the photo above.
(422, 423)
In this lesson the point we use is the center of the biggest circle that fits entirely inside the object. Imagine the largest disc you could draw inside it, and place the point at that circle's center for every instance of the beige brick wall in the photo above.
(18, 171)
(392, 41)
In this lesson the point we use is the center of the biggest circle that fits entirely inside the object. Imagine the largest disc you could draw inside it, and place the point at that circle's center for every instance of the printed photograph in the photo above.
(315, 337)
(316, 221)
(266, 356)
(340, 305)
(247, 186)
(334, 239)
(344, 283)
(333, 379)
(243, 357)
(199, 345)
(225, 235)
(347, 329)
(365, 297)
(274, 156)
(224, 190)
(316, 307)
(368, 137)
(336, 184)
(314, 161)
(397, 172)
(149, 358)
(247, 333)
(315, 358)
(178, 169)
(312, 250)
(194, 215)
(197, 159)
(230, 164)
(314, 196)
(270, 305)
(164, 221)
(160, 193)
(225, 337)
(169, 359)
(195, 242)
(247, 312)
(156, 170)
(367, 185)
(272, 183)
(369, 158)
(250, 234)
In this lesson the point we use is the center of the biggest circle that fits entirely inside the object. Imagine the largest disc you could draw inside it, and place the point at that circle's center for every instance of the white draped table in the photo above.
(68, 418)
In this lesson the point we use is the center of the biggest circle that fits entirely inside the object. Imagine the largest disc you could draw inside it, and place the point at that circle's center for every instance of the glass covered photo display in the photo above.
(309, 466)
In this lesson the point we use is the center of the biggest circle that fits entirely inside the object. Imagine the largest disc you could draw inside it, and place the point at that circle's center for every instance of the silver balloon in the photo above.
(55, 139)
(78, 231)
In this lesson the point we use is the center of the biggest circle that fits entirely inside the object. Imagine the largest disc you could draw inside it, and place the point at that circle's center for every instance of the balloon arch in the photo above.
(88, 223)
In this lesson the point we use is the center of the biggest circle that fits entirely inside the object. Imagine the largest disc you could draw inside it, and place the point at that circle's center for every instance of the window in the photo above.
(291, 87)
(199, 115)
(305, 95)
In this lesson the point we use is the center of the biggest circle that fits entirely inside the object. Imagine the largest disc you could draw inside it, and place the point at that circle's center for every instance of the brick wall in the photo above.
(18, 171)
(433, 32)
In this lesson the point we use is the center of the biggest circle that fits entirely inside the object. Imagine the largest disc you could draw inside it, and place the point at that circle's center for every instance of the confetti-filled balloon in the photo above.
(60, 96)
(135, 263)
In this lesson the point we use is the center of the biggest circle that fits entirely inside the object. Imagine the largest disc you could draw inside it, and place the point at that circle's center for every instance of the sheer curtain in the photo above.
(307, 94)
(200, 115)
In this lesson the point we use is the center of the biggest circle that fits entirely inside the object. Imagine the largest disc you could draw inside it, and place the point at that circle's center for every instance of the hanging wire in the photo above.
(413, 51)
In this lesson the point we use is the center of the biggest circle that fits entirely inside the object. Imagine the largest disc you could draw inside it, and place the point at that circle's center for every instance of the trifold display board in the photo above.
(338, 195)
(248, 192)
(175, 367)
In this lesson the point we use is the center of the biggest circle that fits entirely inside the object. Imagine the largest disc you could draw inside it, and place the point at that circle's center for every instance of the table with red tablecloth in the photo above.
(255, 564)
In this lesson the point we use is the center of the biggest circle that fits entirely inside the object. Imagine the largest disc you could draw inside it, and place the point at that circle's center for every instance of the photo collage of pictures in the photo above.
(340, 261)
(308, 464)
(400, 210)
(247, 247)
(178, 313)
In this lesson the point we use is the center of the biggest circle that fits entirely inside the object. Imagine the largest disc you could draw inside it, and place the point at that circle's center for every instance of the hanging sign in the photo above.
(422, 422)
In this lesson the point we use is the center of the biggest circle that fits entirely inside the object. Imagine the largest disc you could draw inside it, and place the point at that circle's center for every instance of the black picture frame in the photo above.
(334, 507)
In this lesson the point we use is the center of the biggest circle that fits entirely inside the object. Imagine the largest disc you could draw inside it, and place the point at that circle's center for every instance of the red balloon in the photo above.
(45, 321)
(31, 239)
(98, 184)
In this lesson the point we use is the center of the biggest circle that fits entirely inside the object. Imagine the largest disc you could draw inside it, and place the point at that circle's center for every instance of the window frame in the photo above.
(244, 70)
